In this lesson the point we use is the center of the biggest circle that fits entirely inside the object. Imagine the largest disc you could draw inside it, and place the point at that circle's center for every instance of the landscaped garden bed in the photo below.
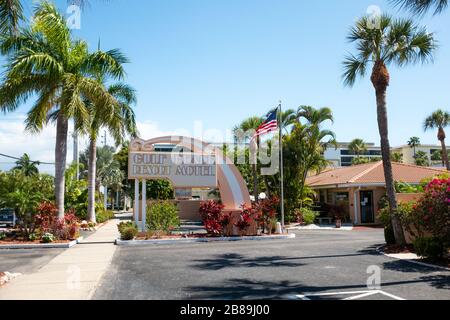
(257, 222)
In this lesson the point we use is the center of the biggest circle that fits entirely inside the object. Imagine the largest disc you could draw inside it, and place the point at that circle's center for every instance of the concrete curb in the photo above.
(41, 245)
(200, 240)
(423, 264)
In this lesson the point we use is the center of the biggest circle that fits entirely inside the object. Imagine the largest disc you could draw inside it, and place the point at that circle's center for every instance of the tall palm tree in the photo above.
(250, 124)
(394, 41)
(422, 6)
(48, 62)
(120, 123)
(413, 143)
(27, 166)
(11, 13)
(439, 120)
(357, 147)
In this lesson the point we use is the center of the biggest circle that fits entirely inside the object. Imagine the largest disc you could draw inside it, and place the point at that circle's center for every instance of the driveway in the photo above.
(316, 265)
(26, 261)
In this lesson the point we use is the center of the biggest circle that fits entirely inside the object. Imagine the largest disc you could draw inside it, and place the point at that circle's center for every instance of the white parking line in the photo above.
(354, 295)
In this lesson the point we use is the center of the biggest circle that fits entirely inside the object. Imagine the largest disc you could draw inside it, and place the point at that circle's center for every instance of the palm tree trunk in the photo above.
(442, 137)
(255, 182)
(62, 127)
(105, 197)
(92, 169)
(387, 165)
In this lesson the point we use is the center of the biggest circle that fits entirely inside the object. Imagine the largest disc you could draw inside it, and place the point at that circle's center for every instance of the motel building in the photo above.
(358, 189)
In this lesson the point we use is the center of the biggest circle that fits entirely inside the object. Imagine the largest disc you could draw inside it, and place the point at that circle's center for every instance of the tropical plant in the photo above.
(163, 216)
(11, 13)
(46, 62)
(439, 120)
(357, 147)
(422, 6)
(120, 123)
(24, 194)
(213, 218)
(246, 130)
(413, 143)
(389, 41)
(421, 159)
(27, 166)
(397, 157)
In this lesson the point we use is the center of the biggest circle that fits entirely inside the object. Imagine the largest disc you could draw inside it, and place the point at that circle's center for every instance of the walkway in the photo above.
(72, 275)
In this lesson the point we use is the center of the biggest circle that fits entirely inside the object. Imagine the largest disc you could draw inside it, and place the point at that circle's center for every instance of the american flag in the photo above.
(270, 124)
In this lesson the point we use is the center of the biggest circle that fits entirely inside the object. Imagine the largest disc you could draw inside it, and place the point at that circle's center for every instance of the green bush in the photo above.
(33, 237)
(104, 215)
(126, 224)
(129, 233)
(48, 238)
(308, 216)
(2, 235)
(163, 216)
(432, 248)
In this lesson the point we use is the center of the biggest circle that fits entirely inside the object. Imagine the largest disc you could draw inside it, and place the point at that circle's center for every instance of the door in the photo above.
(367, 207)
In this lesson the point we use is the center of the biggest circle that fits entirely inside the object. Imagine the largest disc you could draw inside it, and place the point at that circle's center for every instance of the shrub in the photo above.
(126, 224)
(128, 233)
(431, 247)
(48, 238)
(246, 217)
(307, 216)
(104, 215)
(163, 216)
(432, 211)
(63, 229)
(213, 218)
(2, 235)
(33, 237)
(266, 211)
(128, 230)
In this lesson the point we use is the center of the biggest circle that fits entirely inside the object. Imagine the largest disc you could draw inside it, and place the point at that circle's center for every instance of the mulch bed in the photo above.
(19, 240)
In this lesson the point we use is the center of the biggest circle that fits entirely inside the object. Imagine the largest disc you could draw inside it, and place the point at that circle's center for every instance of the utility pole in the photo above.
(76, 154)
(104, 139)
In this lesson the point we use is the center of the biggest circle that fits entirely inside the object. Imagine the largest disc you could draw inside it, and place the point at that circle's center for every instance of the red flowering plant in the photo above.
(213, 218)
(246, 217)
(48, 222)
(267, 212)
(432, 211)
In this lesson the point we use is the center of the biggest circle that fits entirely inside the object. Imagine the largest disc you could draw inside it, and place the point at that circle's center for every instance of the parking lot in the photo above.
(316, 265)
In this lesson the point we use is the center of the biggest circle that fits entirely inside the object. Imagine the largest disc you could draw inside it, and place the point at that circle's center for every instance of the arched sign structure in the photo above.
(227, 178)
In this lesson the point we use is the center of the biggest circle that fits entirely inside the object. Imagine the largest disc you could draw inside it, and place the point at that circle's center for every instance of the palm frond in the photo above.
(421, 7)
(354, 68)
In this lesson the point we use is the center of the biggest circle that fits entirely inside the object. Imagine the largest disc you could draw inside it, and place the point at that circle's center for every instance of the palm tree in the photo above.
(315, 116)
(46, 61)
(250, 124)
(399, 42)
(11, 13)
(422, 6)
(27, 166)
(439, 120)
(357, 147)
(119, 123)
(413, 143)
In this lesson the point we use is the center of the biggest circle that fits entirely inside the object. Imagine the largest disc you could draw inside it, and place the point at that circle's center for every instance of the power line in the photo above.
(15, 158)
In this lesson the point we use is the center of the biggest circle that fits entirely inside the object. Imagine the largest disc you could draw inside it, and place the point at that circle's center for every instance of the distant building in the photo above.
(428, 149)
(343, 157)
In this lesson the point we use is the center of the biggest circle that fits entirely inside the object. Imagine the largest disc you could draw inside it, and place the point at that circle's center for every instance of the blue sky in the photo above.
(220, 61)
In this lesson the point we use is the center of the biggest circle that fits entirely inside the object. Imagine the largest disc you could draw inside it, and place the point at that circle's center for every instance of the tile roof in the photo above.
(371, 173)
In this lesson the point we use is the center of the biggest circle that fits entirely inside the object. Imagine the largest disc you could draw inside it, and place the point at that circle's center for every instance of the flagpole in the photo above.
(281, 168)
